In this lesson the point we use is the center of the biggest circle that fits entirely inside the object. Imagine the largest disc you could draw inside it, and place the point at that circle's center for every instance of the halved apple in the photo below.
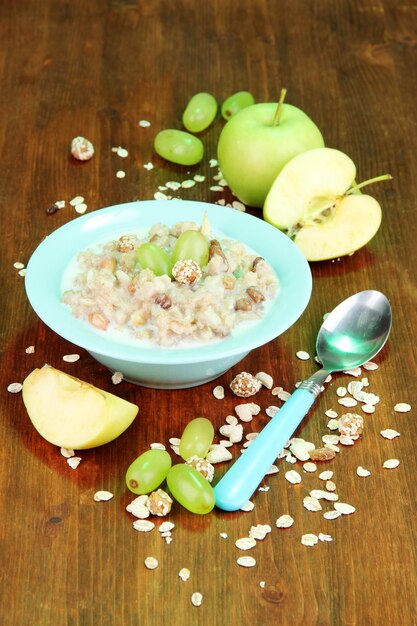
(315, 201)
(71, 413)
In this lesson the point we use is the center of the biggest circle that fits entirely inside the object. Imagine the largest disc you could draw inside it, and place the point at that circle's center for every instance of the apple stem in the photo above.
(278, 110)
(370, 181)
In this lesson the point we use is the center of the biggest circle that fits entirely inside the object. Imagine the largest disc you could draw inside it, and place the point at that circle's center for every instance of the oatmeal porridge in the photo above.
(171, 285)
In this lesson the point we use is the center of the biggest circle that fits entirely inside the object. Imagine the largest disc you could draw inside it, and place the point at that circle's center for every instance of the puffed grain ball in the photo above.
(82, 149)
(245, 385)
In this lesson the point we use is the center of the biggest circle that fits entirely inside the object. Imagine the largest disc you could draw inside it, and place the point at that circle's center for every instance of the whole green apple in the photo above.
(255, 144)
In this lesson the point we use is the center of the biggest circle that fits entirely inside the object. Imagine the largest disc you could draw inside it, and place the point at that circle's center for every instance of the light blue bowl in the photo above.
(152, 366)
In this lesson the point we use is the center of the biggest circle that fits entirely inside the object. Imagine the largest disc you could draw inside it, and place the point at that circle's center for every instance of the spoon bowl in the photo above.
(352, 334)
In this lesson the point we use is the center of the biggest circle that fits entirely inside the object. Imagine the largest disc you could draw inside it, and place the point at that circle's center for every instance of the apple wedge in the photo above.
(71, 413)
(316, 202)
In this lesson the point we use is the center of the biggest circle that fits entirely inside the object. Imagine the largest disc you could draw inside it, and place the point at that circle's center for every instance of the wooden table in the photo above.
(96, 69)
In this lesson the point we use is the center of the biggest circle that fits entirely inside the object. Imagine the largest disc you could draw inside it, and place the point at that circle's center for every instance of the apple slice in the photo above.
(316, 202)
(71, 413)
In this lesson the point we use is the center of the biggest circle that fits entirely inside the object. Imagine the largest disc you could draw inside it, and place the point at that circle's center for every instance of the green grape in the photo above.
(191, 244)
(179, 147)
(197, 438)
(153, 257)
(190, 488)
(148, 471)
(199, 112)
(235, 103)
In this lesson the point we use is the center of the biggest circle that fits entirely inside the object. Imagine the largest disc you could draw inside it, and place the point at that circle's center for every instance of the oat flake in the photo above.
(246, 561)
(71, 358)
(245, 543)
(103, 496)
(120, 174)
(218, 392)
(67, 452)
(284, 521)
(370, 366)
(368, 408)
(326, 475)
(389, 433)
(391, 463)
(402, 407)
(332, 514)
(184, 573)
(151, 562)
(143, 525)
(293, 477)
(18, 265)
(361, 471)
(249, 506)
(302, 355)
(157, 446)
(15, 387)
(312, 504)
(309, 539)
(331, 413)
(324, 537)
(343, 508)
(348, 402)
(196, 599)
(166, 526)
(74, 462)
(117, 378)
(76, 200)
(81, 208)
(30, 350)
(144, 123)
(271, 410)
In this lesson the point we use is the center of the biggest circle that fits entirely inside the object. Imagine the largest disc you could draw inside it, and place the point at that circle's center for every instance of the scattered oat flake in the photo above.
(266, 379)
(239, 206)
(224, 535)
(148, 166)
(18, 265)
(76, 200)
(199, 178)
(284, 521)
(246, 561)
(15, 387)
(309, 539)
(71, 358)
(271, 410)
(81, 208)
(389, 433)
(309, 467)
(103, 496)
(196, 599)
(262, 584)
(293, 477)
(356, 371)
(330, 485)
(187, 184)
(402, 407)
(166, 526)
(157, 446)
(143, 525)
(283, 395)
(216, 188)
(331, 413)
(67, 452)
(348, 402)
(368, 408)
(249, 506)
(343, 508)
(302, 355)
(272, 470)
(144, 123)
(120, 174)
(22, 272)
(361, 471)
(333, 424)
(74, 462)
(30, 350)
(117, 378)
(324, 537)
(341, 392)
(184, 573)
(218, 392)
(326, 475)
(370, 365)
(151, 562)
(245, 543)
(391, 463)
(213, 162)
(332, 514)
(218, 454)
(312, 504)
(122, 152)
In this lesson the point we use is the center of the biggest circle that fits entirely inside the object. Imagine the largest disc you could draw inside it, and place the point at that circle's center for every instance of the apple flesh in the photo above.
(315, 202)
(253, 148)
(71, 413)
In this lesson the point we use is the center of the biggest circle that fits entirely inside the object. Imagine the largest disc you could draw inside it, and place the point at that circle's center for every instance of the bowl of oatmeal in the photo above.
(169, 293)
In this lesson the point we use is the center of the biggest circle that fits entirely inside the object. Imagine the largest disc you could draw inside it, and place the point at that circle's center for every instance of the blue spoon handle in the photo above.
(242, 479)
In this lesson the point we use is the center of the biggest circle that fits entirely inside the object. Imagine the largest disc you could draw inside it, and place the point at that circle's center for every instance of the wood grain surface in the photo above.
(96, 68)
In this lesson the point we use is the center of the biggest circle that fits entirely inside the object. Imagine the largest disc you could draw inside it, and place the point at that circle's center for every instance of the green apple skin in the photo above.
(71, 413)
(252, 151)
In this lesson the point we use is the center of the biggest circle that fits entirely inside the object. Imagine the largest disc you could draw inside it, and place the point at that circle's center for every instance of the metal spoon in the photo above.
(353, 333)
